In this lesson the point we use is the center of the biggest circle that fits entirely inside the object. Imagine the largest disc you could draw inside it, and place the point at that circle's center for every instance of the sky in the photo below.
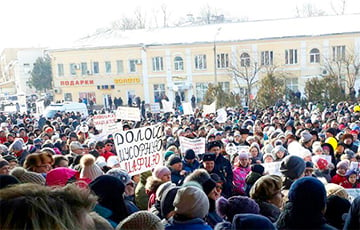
(53, 23)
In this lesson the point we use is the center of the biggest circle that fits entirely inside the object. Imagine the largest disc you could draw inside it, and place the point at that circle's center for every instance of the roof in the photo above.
(226, 32)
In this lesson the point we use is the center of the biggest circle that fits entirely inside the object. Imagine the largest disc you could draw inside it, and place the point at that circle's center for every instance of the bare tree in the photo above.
(339, 6)
(140, 18)
(165, 13)
(243, 69)
(309, 10)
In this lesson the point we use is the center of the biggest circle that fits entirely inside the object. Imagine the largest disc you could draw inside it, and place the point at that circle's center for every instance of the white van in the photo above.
(75, 107)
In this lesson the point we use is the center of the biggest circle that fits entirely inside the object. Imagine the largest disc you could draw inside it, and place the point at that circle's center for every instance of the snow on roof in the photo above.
(226, 32)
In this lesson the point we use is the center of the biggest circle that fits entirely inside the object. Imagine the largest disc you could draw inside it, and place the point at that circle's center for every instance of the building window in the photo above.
(60, 70)
(338, 53)
(225, 86)
(315, 56)
(84, 69)
(178, 63)
(291, 57)
(120, 66)
(267, 58)
(158, 64)
(292, 84)
(159, 91)
(132, 65)
(201, 89)
(67, 96)
(222, 61)
(244, 60)
(96, 67)
(108, 67)
(73, 68)
(200, 61)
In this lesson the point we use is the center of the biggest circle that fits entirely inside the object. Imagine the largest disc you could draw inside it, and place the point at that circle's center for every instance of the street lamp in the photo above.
(215, 58)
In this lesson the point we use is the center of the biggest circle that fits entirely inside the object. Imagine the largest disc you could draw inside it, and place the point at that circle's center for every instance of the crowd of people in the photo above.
(283, 167)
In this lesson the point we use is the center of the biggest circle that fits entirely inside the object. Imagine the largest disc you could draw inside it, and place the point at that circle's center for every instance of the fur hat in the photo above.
(236, 205)
(266, 187)
(89, 169)
(199, 176)
(141, 220)
(25, 176)
(292, 167)
(160, 171)
(337, 190)
(191, 202)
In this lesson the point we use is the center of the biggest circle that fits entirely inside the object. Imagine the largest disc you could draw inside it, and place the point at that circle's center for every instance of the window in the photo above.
(67, 96)
(107, 67)
(200, 61)
(292, 84)
(244, 60)
(60, 70)
(132, 65)
(291, 57)
(96, 67)
(201, 89)
(267, 58)
(338, 53)
(73, 68)
(225, 86)
(84, 69)
(315, 56)
(178, 63)
(158, 64)
(222, 61)
(159, 90)
(120, 66)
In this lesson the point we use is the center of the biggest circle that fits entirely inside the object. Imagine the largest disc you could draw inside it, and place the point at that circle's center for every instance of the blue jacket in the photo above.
(190, 168)
(193, 224)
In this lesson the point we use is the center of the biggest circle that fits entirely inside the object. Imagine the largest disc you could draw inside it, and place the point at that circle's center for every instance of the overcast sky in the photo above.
(46, 23)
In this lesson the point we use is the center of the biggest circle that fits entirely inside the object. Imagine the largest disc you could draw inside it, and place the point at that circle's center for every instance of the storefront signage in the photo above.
(76, 82)
(133, 80)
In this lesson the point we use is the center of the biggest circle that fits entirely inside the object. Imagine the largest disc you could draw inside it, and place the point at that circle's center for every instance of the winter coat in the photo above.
(352, 221)
(176, 178)
(224, 169)
(212, 218)
(141, 198)
(347, 184)
(338, 179)
(269, 210)
(190, 168)
(193, 224)
(250, 180)
(105, 213)
(239, 183)
(323, 173)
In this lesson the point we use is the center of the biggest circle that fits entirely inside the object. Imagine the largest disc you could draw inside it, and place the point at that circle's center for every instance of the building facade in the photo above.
(184, 61)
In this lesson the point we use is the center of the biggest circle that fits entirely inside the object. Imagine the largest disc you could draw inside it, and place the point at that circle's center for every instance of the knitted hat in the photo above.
(189, 154)
(75, 145)
(89, 169)
(112, 161)
(309, 165)
(257, 168)
(191, 202)
(344, 164)
(174, 160)
(236, 205)
(336, 207)
(331, 131)
(266, 187)
(208, 186)
(252, 221)
(162, 188)
(351, 172)
(38, 141)
(305, 136)
(167, 199)
(3, 163)
(292, 166)
(160, 171)
(141, 220)
(121, 174)
(101, 162)
(61, 176)
(307, 192)
(3, 149)
(6, 180)
(168, 154)
(335, 189)
(17, 145)
(25, 176)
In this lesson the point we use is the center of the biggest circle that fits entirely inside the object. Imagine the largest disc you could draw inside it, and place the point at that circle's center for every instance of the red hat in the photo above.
(322, 163)
(354, 132)
(49, 130)
(342, 126)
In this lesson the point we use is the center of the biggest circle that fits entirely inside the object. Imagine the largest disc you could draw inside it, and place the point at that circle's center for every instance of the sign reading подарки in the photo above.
(139, 150)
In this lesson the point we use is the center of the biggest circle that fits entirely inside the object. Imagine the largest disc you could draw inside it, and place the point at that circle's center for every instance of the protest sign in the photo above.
(113, 128)
(221, 115)
(354, 166)
(167, 106)
(187, 108)
(207, 109)
(102, 120)
(155, 107)
(197, 144)
(272, 168)
(353, 193)
(139, 150)
(128, 113)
